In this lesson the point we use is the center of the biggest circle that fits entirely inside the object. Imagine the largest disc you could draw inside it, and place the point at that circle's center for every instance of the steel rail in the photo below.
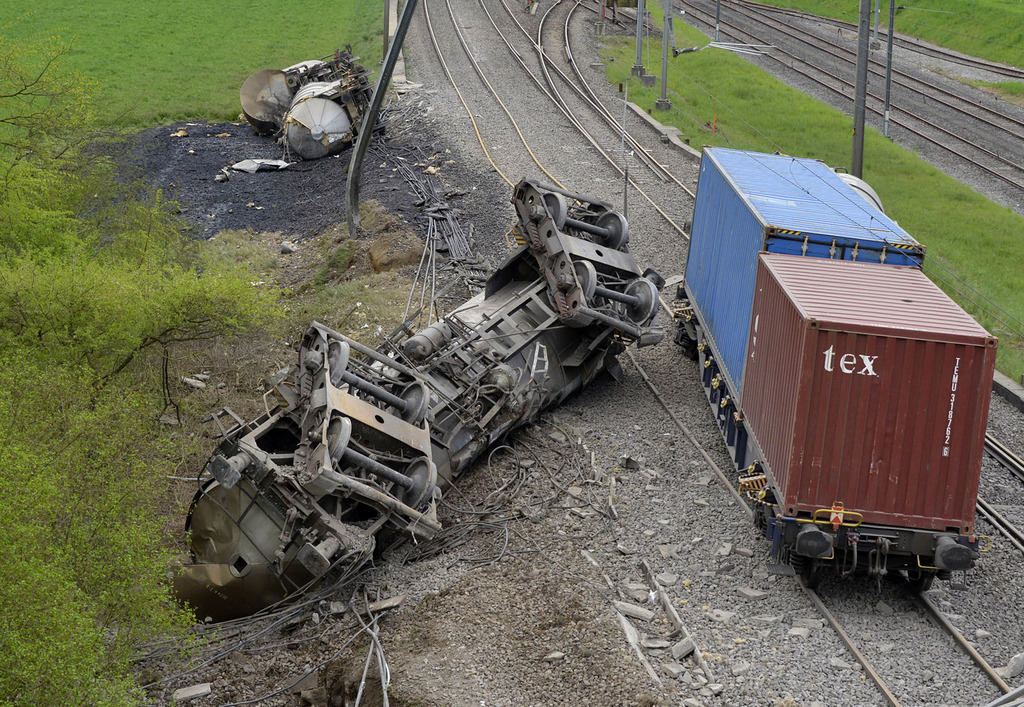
(560, 104)
(545, 62)
(480, 73)
(701, 449)
(595, 101)
(909, 42)
(903, 79)
(565, 110)
(1006, 457)
(1010, 531)
(962, 642)
(451, 79)
(850, 644)
(483, 78)
(1013, 463)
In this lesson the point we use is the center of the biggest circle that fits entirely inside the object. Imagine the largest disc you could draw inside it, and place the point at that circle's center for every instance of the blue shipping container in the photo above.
(748, 202)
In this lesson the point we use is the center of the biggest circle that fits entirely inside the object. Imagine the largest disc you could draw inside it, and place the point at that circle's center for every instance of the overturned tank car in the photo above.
(355, 441)
(316, 106)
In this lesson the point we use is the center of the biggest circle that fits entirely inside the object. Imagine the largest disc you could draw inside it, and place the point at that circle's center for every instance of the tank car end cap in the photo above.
(265, 98)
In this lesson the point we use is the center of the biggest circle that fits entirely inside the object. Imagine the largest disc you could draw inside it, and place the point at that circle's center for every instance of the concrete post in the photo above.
(638, 67)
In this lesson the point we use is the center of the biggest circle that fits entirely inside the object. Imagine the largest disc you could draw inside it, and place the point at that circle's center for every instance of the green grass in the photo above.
(987, 28)
(157, 62)
(720, 99)
(1009, 90)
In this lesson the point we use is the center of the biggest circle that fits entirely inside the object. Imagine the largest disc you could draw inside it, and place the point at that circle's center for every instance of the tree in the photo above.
(84, 555)
(97, 281)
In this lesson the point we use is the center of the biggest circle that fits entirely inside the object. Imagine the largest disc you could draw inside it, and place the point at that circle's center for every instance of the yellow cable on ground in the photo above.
(448, 73)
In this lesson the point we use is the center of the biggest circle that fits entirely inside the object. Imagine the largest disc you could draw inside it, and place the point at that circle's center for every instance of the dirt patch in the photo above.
(185, 159)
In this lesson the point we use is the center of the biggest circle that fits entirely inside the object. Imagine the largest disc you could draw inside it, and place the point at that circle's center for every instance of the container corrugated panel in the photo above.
(748, 202)
(866, 385)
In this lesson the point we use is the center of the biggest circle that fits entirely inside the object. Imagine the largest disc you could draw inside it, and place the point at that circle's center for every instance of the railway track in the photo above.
(984, 138)
(1005, 456)
(905, 41)
(845, 635)
(587, 116)
(989, 118)
(1008, 460)
(555, 85)
(926, 608)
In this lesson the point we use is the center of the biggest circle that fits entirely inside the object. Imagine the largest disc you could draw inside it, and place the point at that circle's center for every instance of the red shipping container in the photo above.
(866, 385)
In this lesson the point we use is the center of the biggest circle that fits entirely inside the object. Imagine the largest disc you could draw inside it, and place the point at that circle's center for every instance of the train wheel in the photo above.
(761, 518)
(686, 342)
(921, 580)
(617, 230)
(809, 570)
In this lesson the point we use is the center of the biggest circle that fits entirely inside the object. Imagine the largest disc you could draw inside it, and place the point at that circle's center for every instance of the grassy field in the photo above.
(157, 62)
(987, 28)
(720, 99)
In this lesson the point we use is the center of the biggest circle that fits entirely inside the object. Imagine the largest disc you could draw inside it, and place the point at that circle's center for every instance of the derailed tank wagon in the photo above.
(851, 391)
(316, 107)
(356, 441)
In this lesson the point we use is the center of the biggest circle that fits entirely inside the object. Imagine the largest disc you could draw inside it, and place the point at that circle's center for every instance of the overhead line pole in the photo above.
(888, 65)
(664, 103)
(874, 35)
(860, 97)
(370, 119)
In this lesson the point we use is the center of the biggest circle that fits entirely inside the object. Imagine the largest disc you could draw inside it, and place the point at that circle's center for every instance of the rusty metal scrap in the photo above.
(316, 106)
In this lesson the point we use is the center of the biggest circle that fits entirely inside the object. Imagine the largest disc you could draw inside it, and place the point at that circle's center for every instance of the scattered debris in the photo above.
(655, 644)
(812, 624)
(1013, 668)
(683, 648)
(669, 551)
(721, 615)
(634, 641)
(630, 463)
(750, 594)
(192, 692)
(633, 611)
(382, 605)
(667, 579)
(255, 165)
(194, 383)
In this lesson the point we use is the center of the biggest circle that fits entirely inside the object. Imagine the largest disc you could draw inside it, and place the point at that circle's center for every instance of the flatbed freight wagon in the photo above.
(851, 392)
(748, 202)
(867, 393)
